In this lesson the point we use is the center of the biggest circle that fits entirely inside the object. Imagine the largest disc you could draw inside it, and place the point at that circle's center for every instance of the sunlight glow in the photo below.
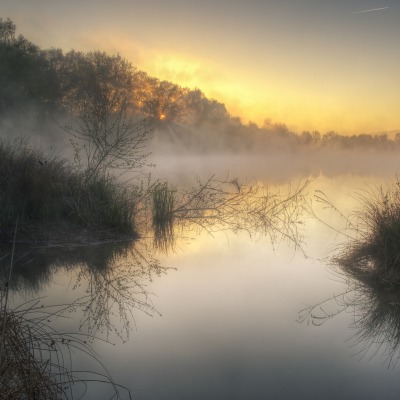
(295, 103)
(305, 73)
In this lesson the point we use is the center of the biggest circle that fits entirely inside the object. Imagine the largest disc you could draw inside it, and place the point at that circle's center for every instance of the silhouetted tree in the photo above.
(165, 102)
(99, 95)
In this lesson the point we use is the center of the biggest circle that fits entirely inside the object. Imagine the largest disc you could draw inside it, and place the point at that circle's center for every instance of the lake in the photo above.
(220, 316)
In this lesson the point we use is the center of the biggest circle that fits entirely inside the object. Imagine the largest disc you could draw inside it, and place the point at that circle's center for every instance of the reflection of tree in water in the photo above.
(114, 277)
(34, 266)
(115, 293)
(37, 356)
(376, 313)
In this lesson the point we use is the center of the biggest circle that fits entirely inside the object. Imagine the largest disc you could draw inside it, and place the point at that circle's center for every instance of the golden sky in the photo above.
(311, 64)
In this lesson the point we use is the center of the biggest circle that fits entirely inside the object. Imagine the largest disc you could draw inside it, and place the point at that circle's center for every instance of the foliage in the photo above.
(95, 83)
(26, 75)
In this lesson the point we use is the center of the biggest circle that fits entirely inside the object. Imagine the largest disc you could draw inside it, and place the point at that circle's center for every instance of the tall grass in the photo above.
(21, 375)
(163, 203)
(374, 249)
(99, 202)
(39, 187)
(36, 360)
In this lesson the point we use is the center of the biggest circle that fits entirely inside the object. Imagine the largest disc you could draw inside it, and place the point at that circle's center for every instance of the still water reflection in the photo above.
(375, 311)
(224, 324)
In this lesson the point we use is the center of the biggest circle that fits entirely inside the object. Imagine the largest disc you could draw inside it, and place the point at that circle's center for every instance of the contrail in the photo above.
(372, 9)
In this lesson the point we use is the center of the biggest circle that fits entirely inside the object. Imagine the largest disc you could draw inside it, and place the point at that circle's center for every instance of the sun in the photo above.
(162, 116)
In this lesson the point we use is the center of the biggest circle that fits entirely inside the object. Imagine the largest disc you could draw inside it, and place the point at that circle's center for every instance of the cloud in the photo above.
(370, 10)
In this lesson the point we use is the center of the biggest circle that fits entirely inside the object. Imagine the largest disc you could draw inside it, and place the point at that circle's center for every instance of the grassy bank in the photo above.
(41, 188)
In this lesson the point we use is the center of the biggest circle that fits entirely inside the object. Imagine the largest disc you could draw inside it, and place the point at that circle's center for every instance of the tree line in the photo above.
(96, 83)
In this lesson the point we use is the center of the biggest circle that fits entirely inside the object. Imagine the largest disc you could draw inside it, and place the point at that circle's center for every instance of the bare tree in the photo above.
(106, 135)
(115, 141)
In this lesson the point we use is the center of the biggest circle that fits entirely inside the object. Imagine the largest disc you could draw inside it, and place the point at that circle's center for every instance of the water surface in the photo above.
(218, 317)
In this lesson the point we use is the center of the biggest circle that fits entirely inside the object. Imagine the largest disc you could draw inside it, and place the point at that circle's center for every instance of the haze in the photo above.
(310, 64)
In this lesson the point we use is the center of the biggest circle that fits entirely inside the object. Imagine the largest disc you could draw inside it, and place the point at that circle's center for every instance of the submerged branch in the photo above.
(227, 205)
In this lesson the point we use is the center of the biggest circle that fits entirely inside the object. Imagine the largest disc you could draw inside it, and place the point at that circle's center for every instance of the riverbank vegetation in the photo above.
(36, 187)
(368, 263)
(375, 251)
(49, 195)
(371, 249)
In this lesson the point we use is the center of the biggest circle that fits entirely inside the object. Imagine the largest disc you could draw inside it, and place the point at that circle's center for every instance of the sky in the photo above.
(327, 65)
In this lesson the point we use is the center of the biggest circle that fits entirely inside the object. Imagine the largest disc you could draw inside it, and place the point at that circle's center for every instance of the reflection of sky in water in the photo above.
(229, 331)
(228, 328)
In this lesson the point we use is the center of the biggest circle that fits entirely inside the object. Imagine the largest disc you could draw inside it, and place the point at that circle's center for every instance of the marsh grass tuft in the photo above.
(36, 360)
(372, 249)
(21, 374)
(99, 203)
(163, 203)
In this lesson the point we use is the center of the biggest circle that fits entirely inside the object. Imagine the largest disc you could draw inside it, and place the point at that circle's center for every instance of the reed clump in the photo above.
(36, 360)
(374, 249)
(42, 188)
(163, 203)
(22, 375)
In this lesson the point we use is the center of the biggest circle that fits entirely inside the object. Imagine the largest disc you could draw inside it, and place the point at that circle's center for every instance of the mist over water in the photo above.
(223, 323)
(179, 156)
(180, 152)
